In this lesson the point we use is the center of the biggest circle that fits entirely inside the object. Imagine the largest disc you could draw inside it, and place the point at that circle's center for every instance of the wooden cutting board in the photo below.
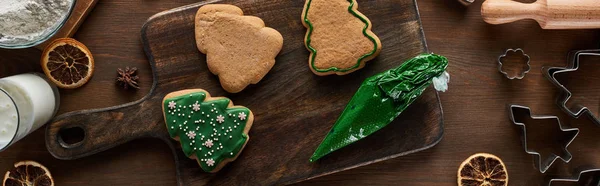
(294, 109)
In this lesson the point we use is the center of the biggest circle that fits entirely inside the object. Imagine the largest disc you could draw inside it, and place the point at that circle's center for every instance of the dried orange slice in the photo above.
(482, 169)
(28, 173)
(68, 63)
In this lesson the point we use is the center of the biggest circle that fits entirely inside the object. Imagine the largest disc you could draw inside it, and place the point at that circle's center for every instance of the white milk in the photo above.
(27, 102)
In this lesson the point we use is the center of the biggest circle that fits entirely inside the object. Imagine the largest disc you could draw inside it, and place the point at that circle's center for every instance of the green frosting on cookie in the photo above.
(207, 129)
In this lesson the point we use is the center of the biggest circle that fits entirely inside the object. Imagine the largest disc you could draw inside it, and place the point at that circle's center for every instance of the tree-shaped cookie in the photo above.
(211, 130)
(339, 37)
(239, 49)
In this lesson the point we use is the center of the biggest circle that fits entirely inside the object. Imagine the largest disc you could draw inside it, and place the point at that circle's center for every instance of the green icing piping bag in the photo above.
(381, 98)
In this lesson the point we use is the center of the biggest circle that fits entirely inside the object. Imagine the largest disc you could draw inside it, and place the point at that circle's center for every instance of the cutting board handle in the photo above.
(507, 11)
(79, 134)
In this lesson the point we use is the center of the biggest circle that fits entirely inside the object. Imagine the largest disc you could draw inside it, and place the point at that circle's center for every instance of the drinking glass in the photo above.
(27, 102)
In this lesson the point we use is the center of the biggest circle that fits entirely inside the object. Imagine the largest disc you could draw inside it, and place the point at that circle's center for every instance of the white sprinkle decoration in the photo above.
(172, 105)
(208, 143)
(210, 162)
(220, 119)
(191, 134)
(230, 137)
(196, 107)
(242, 116)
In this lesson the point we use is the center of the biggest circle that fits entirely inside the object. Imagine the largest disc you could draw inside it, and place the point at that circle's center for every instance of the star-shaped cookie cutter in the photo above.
(594, 175)
(565, 94)
(542, 165)
(522, 74)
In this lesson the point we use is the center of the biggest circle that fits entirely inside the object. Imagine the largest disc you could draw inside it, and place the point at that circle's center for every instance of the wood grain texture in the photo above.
(294, 109)
(550, 14)
(475, 114)
(80, 12)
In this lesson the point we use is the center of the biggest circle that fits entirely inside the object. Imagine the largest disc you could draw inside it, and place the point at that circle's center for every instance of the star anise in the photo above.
(128, 78)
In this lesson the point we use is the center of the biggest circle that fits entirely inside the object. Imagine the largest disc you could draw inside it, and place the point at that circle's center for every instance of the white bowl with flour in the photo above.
(26, 23)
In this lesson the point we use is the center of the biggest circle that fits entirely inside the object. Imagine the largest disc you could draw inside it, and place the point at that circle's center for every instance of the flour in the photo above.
(25, 21)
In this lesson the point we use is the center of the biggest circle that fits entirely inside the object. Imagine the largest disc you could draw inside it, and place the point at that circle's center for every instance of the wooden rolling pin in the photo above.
(550, 14)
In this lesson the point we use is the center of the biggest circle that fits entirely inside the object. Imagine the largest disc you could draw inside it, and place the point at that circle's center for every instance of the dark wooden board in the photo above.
(294, 108)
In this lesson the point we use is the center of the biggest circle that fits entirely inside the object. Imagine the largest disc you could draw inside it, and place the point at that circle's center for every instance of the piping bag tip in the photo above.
(440, 83)
(381, 98)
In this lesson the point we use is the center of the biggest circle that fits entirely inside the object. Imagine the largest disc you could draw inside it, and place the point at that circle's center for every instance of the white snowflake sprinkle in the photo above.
(196, 106)
(242, 116)
(220, 119)
(191, 134)
(210, 162)
(172, 105)
(208, 143)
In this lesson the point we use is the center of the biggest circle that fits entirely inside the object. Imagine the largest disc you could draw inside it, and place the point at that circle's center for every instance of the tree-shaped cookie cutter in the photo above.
(565, 94)
(592, 173)
(520, 75)
(542, 165)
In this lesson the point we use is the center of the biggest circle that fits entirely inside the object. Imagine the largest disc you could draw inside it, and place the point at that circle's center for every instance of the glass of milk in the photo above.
(27, 101)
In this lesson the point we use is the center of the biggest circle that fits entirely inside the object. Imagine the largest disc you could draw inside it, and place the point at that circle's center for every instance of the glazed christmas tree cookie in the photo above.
(211, 130)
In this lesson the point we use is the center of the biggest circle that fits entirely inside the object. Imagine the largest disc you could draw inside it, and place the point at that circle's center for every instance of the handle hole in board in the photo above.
(71, 137)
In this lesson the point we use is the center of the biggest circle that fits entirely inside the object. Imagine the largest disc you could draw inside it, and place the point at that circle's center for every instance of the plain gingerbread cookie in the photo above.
(239, 49)
(339, 37)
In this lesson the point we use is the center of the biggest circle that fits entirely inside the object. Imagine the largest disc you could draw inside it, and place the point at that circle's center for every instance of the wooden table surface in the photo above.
(475, 107)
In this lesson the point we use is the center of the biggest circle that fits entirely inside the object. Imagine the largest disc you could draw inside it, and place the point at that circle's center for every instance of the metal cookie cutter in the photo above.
(565, 94)
(542, 165)
(586, 177)
(522, 74)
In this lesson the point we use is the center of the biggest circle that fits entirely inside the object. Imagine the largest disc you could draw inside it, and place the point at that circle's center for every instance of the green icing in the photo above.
(380, 99)
(314, 51)
(184, 119)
